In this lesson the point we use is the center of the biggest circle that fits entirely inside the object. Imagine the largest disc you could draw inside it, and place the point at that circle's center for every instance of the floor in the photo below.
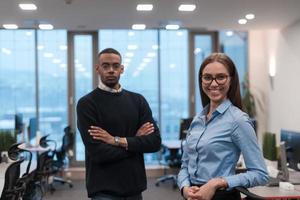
(164, 191)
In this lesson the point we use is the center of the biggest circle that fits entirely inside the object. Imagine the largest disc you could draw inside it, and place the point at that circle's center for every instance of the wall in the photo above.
(279, 95)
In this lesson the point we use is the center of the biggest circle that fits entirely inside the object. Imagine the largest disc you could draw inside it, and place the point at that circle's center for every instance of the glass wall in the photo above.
(235, 45)
(52, 65)
(156, 65)
(202, 49)
(139, 50)
(174, 81)
(17, 76)
(83, 61)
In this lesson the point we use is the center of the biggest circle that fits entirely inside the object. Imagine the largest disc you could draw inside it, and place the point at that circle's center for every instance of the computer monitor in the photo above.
(292, 144)
(18, 123)
(283, 162)
(32, 129)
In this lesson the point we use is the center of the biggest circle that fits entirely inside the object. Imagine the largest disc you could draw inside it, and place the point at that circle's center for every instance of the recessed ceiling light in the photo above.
(56, 61)
(250, 16)
(154, 47)
(127, 60)
(129, 54)
(48, 55)
(229, 33)
(40, 47)
(6, 51)
(63, 65)
(172, 65)
(146, 60)
(27, 6)
(138, 26)
(63, 47)
(197, 50)
(130, 33)
(132, 47)
(28, 33)
(151, 54)
(172, 27)
(144, 7)
(187, 7)
(46, 26)
(179, 33)
(242, 21)
(10, 26)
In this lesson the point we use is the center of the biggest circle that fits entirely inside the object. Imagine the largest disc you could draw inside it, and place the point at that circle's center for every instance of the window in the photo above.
(52, 66)
(235, 45)
(17, 76)
(174, 81)
(157, 69)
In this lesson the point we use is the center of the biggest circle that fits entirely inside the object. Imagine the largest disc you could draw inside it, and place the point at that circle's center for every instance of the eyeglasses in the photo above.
(107, 66)
(220, 79)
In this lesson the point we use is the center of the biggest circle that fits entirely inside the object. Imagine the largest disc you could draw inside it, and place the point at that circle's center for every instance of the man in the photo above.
(116, 127)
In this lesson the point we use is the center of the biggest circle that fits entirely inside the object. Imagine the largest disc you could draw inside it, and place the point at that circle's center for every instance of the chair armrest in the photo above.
(249, 195)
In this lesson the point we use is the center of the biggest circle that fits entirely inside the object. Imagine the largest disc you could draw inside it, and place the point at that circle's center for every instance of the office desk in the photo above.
(172, 144)
(173, 161)
(276, 192)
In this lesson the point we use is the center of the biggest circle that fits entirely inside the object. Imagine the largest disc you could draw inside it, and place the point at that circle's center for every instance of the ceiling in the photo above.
(121, 14)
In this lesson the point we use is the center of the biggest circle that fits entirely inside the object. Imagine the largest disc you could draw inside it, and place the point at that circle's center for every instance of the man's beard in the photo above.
(112, 83)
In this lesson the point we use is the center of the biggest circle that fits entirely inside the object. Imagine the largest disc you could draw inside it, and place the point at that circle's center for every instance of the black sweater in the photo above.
(110, 169)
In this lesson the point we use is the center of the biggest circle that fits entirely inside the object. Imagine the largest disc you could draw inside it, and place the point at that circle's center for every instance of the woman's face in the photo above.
(215, 82)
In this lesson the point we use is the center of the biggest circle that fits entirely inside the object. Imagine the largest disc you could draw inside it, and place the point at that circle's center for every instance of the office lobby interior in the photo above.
(48, 53)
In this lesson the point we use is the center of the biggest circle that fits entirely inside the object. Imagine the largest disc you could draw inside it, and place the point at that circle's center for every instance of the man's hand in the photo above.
(101, 134)
(145, 129)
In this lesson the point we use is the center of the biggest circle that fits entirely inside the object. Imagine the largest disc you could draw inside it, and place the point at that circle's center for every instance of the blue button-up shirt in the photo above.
(213, 148)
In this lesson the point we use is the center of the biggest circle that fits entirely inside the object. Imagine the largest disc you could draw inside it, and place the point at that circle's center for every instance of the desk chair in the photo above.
(58, 164)
(12, 189)
(14, 185)
(249, 195)
(62, 153)
(174, 159)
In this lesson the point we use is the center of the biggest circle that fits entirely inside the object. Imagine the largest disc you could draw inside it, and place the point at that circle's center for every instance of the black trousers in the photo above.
(111, 197)
(227, 195)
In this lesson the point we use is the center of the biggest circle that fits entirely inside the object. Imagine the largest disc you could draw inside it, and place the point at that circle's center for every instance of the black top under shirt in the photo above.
(110, 169)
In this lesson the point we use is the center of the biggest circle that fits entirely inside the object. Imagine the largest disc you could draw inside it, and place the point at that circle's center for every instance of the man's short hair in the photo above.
(110, 50)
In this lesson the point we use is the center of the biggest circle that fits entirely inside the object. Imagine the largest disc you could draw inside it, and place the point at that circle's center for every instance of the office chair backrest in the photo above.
(68, 138)
(44, 162)
(67, 143)
(12, 174)
(184, 126)
(15, 153)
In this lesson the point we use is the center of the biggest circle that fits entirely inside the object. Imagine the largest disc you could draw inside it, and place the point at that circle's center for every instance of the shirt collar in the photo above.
(102, 86)
(220, 109)
(224, 106)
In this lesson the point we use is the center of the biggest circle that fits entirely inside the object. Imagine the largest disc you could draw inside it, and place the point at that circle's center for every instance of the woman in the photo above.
(217, 136)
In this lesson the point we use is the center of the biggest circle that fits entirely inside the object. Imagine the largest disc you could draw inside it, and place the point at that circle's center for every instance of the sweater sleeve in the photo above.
(98, 151)
(148, 143)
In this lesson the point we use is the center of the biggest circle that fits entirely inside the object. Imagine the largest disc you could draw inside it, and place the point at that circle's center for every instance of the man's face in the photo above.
(109, 69)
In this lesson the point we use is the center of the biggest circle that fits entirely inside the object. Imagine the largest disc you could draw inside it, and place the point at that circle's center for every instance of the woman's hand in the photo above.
(208, 190)
(189, 191)
(101, 134)
(205, 192)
